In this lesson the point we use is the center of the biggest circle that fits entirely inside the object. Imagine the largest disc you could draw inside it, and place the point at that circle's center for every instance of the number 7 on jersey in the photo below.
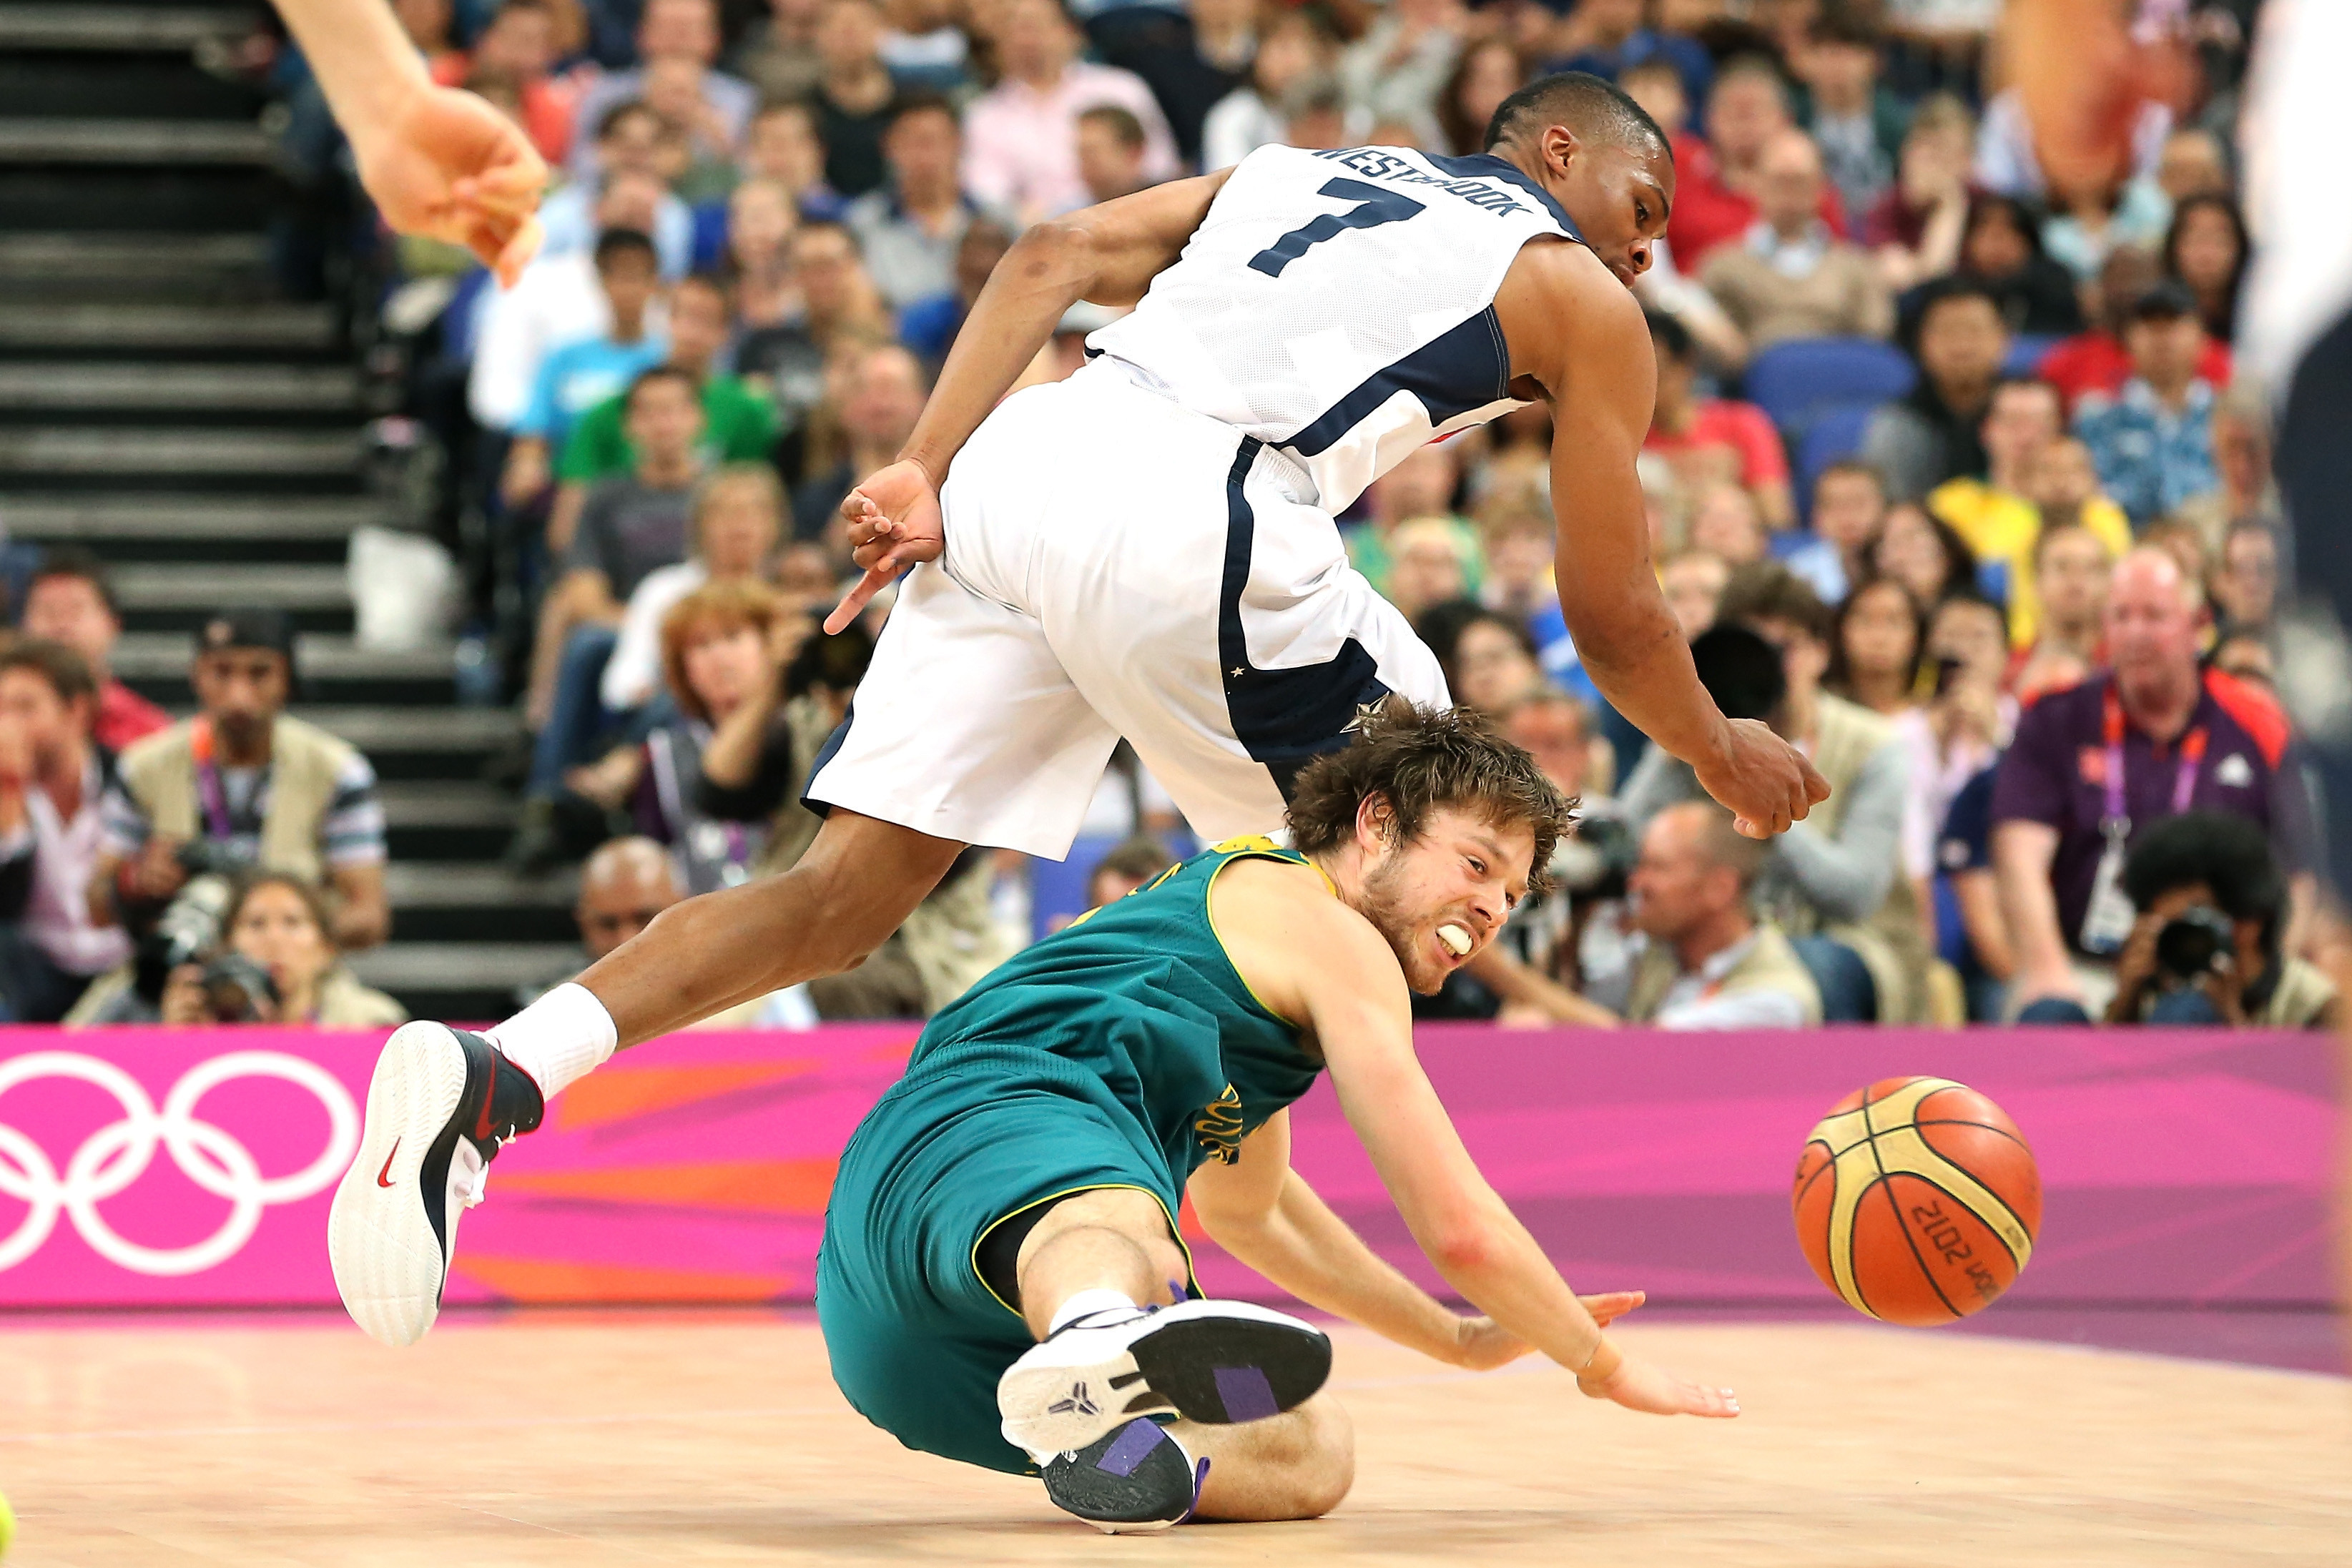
(1374, 207)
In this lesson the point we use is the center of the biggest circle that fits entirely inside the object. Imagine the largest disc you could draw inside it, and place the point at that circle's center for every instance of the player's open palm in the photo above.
(894, 522)
(450, 167)
(1638, 1385)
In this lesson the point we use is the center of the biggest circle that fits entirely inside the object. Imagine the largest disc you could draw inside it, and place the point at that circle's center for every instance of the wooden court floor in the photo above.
(718, 1439)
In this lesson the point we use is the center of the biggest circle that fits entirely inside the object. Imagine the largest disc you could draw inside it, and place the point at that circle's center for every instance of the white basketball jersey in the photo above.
(1339, 305)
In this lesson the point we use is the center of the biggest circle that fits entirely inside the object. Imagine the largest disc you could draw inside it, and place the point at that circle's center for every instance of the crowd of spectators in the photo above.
(1947, 482)
(215, 869)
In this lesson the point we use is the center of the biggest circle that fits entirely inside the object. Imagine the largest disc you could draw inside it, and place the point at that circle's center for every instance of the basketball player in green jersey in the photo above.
(1001, 1280)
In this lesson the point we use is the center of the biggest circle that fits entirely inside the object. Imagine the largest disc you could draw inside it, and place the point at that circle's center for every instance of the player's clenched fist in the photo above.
(445, 164)
(1764, 782)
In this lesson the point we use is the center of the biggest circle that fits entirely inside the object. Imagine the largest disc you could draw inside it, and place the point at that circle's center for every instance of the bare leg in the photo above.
(1112, 1239)
(1296, 1465)
(858, 881)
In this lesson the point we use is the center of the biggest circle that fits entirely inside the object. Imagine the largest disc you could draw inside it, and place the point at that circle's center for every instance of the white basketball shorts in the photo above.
(1116, 565)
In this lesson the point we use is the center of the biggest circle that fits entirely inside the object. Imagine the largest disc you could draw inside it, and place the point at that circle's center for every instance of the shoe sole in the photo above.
(388, 1264)
(1218, 1363)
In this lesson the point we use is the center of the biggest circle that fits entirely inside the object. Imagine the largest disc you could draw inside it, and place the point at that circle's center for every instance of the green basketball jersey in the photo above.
(1141, 996)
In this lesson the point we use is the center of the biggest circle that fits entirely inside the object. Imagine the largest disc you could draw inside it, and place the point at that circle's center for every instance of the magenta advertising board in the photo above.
(155, 1168)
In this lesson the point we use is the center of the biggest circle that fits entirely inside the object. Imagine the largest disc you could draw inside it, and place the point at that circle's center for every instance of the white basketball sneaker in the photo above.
(1214, 1362)
(442, 1102)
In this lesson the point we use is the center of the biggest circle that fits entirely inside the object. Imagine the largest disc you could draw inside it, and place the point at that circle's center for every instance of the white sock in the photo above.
(1085, 1302)
(558, 1038)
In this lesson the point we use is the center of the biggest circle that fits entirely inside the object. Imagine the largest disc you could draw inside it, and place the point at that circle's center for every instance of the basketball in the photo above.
(1918, 1200)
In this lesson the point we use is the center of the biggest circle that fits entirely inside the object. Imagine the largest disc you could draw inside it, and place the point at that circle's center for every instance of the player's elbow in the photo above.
(1057, 255)
(1462, 1248)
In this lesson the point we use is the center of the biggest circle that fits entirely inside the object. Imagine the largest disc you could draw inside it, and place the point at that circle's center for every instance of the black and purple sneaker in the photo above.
(1132, 1480)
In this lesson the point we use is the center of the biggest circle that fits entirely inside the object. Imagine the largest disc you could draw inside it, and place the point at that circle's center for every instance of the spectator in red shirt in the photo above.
(519, 44)
(71, 601)
(1713, 439)
(2096, 361)
(1715, 179)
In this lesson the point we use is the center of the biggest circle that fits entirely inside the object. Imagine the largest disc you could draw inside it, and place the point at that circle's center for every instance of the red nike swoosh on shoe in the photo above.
(382, 1177)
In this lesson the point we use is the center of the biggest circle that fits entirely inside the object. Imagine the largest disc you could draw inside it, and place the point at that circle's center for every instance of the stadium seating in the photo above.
(1794, 381)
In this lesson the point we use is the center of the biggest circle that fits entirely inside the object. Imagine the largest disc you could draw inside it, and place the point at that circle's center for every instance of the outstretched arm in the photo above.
(439, 161)
(1318, 962)
(1108, 255)
(1265, 1214)
(1579, 333)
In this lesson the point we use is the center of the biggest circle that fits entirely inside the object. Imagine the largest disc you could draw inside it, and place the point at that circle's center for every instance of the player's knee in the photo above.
(1307, 1460)
(1325, 1467)
(1167, 1262)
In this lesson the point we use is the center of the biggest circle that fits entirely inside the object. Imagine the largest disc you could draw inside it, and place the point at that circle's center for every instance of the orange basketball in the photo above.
(1918, 1200)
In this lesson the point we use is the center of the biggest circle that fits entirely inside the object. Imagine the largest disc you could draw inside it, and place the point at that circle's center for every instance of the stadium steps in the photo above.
(160, 330)
(178, 596)
(105, 390)
(119, 29)
(132, 118)
(172, 527)
(332, 669)
(150, 269)
(162, 406)
(132, 141)
(46, 454)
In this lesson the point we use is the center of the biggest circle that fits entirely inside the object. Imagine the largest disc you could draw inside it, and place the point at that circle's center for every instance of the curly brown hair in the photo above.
(1425, 759)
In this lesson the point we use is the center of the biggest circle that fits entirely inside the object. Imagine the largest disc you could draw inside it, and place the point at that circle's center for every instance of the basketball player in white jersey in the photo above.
(1148, 550)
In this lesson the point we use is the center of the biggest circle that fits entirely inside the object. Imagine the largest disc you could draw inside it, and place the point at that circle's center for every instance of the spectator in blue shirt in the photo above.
(2152, 441)
(579, 376)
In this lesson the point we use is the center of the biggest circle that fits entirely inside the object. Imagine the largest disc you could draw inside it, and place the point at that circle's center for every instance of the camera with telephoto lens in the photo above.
(214, 857)
(189, 927)
(2191, 941)
(1593, 861)
(238, 990)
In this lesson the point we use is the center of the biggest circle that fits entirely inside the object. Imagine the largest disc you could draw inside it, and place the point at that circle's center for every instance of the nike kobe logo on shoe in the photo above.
(383, 1177)
(1077, 1402)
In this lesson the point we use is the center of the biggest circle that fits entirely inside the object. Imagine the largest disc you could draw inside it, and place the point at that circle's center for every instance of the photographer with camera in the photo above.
(2206, 947)
(240, 787)
(275, 963)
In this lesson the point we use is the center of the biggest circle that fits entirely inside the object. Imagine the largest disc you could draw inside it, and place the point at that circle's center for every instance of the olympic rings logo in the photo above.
(117, 1155)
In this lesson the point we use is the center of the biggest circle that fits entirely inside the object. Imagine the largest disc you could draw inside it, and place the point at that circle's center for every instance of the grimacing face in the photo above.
(1459, 870)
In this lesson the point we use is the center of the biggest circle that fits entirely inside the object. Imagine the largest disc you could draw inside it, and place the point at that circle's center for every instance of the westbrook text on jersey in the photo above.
(1383, 165)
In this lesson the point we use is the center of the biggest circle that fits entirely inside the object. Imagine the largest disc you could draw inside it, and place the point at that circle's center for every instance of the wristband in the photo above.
(1600, 1366)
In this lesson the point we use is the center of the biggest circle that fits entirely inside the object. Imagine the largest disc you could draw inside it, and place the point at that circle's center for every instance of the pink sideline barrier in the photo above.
(154, 1167)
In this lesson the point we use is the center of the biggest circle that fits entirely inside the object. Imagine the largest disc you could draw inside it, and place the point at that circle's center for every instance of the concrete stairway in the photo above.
(160, 405)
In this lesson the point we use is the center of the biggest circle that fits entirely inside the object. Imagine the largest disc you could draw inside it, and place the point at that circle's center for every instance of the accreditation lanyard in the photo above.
(210, 793)
(2116, 823)
(2107, 920)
